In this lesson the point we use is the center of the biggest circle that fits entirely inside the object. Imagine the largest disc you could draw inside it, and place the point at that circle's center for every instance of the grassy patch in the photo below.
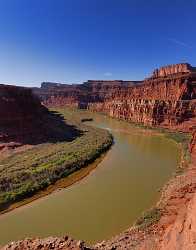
(148, 218)
(183, 139)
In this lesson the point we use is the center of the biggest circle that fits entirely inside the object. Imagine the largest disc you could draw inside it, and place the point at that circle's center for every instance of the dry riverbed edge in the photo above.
(169, 225)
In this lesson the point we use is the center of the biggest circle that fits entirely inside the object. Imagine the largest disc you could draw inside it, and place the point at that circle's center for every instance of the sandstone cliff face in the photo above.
(17, 103)
(147, 112)
(158, 101)
(167, 98)
(79, 95)
(20, 116)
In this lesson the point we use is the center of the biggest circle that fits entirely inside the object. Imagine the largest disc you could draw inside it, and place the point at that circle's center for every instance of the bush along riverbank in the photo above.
(24, 174)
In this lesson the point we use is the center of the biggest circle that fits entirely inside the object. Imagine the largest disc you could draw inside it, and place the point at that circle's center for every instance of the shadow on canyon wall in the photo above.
(48, 127)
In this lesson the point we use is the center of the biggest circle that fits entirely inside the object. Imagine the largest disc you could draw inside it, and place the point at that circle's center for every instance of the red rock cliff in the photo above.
(166, 98)
(20, 115)
(79, 95)
(181, 68)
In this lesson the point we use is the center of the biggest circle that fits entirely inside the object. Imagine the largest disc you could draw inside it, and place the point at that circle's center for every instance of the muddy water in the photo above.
(109, 199)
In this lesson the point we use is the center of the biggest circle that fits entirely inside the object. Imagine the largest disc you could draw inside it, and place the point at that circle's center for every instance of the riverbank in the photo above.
(140, 231)
(171, 223)
(26, 173)
(160, 227)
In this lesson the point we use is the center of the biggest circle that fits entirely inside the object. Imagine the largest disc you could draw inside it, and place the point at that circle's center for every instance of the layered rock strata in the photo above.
(167, 98)
(180, 68)
(79, 95)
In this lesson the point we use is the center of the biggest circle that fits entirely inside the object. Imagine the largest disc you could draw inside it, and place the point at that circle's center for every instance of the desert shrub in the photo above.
(148, 218)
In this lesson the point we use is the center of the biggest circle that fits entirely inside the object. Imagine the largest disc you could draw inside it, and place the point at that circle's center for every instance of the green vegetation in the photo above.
(148, 218)
(183, 139)
(23, 174)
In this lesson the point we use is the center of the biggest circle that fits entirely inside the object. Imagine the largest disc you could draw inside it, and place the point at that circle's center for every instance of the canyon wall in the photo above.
(166, 98)
(18, 104)
(79, 95)
(148, 112)
(21, 114)
(157, 102)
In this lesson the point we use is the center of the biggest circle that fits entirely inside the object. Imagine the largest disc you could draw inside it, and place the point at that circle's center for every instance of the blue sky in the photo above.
(74, 40)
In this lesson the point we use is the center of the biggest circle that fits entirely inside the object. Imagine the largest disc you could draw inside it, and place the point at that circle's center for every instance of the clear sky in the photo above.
(71, 41)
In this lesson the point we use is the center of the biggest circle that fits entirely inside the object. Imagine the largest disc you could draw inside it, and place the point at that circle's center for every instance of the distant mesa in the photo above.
(181, 68)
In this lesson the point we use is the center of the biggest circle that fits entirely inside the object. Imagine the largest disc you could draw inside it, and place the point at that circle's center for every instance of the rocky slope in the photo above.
(63, 243)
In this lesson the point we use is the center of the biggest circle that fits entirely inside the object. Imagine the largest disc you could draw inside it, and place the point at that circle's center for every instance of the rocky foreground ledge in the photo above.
(46, 244)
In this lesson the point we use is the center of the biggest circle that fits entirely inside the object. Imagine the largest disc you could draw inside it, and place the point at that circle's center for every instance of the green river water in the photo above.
(109, 199)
